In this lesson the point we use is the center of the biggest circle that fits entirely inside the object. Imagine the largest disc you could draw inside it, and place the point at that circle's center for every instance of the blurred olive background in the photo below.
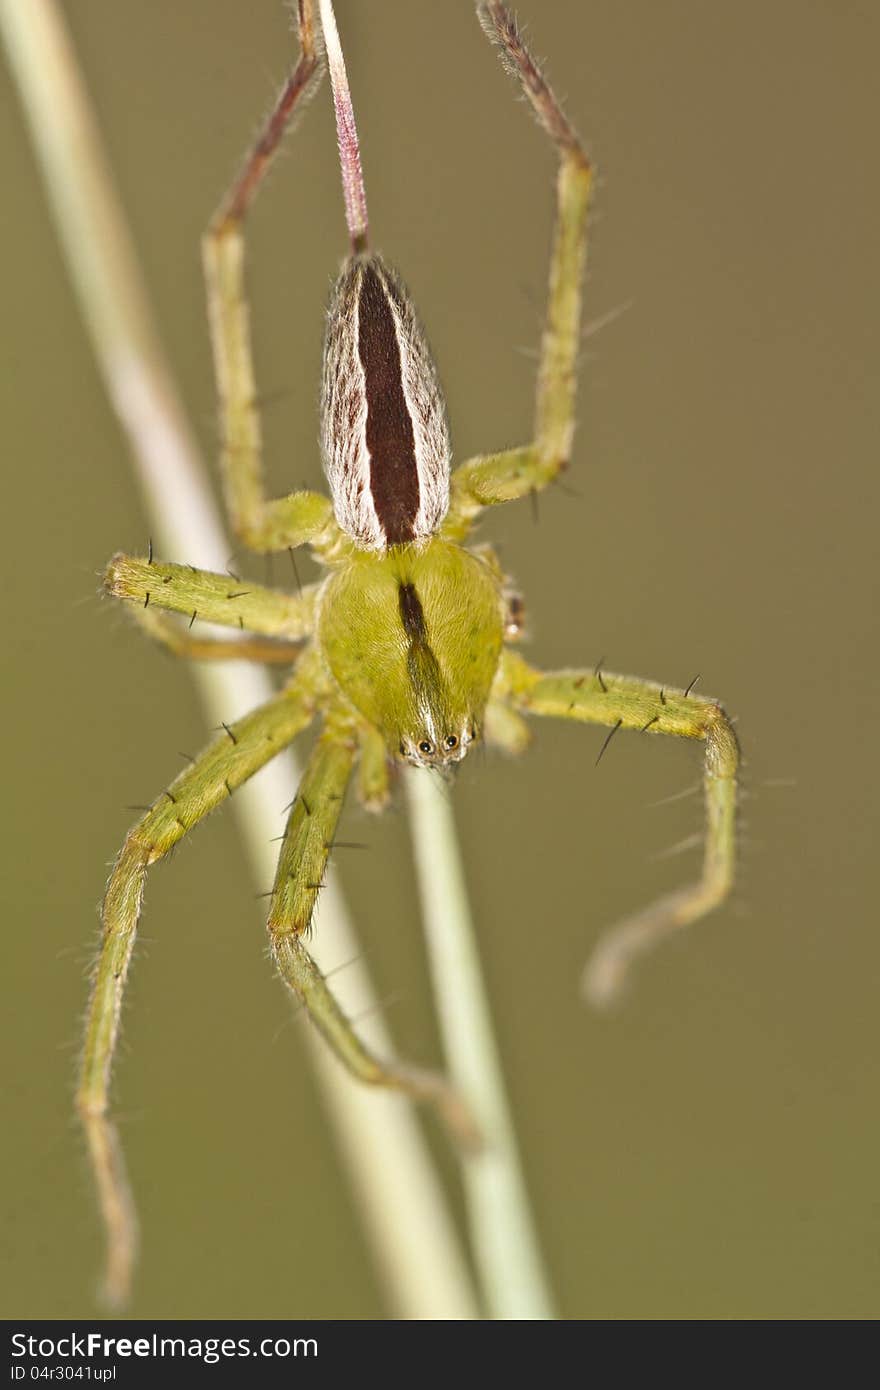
(711, 1150)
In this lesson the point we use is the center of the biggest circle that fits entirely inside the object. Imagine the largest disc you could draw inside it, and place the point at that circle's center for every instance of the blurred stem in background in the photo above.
(400, 1197)
(505, 1244)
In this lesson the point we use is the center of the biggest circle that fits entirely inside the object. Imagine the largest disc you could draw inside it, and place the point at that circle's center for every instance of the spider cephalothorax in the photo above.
(413, 636)
(402, 649)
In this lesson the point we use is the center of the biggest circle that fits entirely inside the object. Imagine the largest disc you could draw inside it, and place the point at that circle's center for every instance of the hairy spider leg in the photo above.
(230, 760)
(621, 702)
(152, 590)
(307, 845)
(503, 477)
(302, 517)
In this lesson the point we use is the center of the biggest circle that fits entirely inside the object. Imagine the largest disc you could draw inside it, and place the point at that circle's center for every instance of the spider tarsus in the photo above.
(500, 26)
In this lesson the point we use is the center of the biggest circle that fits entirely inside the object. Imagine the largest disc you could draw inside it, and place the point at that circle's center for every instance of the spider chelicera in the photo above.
(404, 650)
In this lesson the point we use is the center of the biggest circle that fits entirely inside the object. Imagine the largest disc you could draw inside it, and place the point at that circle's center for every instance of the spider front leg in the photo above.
(302, 863)
(242, 749)
(303, 517)
(147, 586)
(622, 702)
(491, 478)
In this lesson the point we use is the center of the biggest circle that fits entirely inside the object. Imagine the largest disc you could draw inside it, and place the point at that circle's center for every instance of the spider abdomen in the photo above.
(384, 435)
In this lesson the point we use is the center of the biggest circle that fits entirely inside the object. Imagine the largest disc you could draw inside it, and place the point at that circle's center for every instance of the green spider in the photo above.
(404, 650)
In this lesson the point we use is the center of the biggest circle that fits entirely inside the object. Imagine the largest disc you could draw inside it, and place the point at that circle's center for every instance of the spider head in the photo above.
(413, 637)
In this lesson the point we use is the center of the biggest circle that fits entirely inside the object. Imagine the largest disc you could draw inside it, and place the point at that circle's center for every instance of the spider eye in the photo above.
(426, 747)
(451, 741)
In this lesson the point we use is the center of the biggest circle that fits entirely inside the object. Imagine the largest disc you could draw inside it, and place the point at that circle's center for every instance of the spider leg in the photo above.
(215, 598)
(623, 702)
(504, 728)
(302, 863)
(374, 769)
(268, 651)
(502, 477)
(230, 760)
(302, 517)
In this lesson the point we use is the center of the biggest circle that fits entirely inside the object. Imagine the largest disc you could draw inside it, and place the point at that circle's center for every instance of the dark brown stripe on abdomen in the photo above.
(394, 475)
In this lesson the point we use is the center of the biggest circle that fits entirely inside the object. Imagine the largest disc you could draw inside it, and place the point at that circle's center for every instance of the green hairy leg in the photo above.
(302, 863)
(263, 524)
(230, 760)
(622, 702)
(214, 598)
(503, 477)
